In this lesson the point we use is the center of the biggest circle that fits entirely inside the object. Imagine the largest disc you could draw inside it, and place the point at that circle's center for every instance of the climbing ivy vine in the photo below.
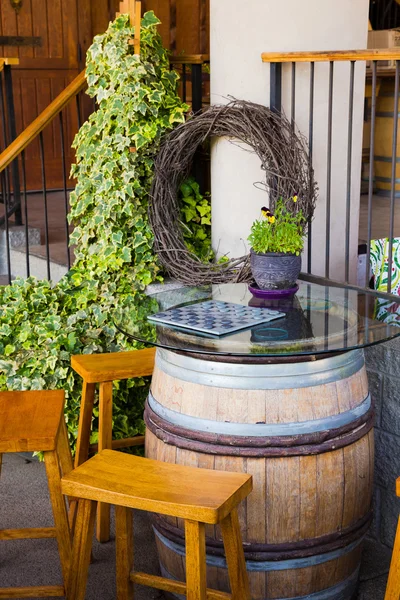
(42, 325)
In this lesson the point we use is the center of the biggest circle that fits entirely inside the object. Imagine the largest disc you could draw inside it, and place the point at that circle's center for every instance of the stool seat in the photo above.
(103, 369)
(27, 424)
(33, 421)
(199, 494)
(113, 366)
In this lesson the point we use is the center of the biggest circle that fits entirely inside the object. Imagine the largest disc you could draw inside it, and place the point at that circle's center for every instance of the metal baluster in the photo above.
(184, 82)
(326, 319)
(5, 138)
(23, 170)
(293, 100)
(349, 166)
(310, 152)
(393, 176)
(329, 172)
(12, 135)
(371, 171)
(197, 88)
(346, 317)
(78, 109)
(46, 218)
(65, 188)
(275, 101)
(5, 190)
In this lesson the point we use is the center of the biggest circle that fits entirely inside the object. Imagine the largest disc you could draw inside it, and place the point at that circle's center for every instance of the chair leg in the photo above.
(393, 584)
(105, 442)
(59, 511)
(81, 550)
(235, 557)
(1, 462)
(124, 552)
(85, 423)
(196, 580)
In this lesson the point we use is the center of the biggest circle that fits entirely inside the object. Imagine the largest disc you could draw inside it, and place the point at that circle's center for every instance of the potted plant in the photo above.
(276, 245)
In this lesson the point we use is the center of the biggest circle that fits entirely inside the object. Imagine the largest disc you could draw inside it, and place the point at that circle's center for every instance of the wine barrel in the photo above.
(304, 431)
(383, 148)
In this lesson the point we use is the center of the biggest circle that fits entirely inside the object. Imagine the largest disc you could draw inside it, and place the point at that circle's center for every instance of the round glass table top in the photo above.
(318, 319)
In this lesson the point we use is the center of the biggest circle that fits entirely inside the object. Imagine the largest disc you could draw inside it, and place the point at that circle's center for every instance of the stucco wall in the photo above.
(240, 32)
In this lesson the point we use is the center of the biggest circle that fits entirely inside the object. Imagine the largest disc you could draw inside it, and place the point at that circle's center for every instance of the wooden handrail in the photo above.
(45, 117)
(337, 55)
(189, 59)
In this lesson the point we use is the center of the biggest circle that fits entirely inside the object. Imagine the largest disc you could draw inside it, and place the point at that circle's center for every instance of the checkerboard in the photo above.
(215, 317)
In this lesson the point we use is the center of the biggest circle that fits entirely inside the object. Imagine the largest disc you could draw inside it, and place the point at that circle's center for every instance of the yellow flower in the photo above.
(271, 219)
(294, 198)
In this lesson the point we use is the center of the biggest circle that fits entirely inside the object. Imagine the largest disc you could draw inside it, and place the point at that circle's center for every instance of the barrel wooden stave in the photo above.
(295, 498)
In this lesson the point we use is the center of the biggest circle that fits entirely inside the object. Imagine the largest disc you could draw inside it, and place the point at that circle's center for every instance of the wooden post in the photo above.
(134, 9)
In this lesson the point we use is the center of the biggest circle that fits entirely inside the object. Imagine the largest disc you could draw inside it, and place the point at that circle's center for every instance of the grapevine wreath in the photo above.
(284, 158)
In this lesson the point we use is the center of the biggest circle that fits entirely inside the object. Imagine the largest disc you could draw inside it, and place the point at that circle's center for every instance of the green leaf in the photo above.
(150, 19)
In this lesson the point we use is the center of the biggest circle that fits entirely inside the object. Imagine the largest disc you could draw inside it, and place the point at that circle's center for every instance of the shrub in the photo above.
(40, 325)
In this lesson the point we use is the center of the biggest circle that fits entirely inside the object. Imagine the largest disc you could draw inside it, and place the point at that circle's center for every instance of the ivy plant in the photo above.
(195, 209)
(42, 325)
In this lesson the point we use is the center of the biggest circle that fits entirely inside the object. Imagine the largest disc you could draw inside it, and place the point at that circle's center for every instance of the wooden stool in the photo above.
(393, 584)
(104, 369)
(197, 495)
(33, 422)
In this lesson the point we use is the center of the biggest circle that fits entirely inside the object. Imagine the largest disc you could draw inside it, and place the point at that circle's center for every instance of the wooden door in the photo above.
(48, 62)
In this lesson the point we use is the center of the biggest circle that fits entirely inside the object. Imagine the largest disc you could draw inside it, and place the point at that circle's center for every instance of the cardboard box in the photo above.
(386, 38)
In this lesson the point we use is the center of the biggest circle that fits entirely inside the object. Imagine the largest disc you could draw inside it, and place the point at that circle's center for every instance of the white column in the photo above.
(240, 32)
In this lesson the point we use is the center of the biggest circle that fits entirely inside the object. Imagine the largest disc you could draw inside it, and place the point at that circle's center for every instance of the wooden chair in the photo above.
(393, 584)
(103, 369)
(197, 495)
(30, 422)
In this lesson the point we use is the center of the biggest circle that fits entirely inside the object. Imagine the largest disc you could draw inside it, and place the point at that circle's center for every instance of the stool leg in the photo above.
(393, 584)
(105, 442)
(81, 549)
(66, 463)
(59, 511)
(124, 551)
(64, 450)
(235, 557)
(85, 423)
(196, 581)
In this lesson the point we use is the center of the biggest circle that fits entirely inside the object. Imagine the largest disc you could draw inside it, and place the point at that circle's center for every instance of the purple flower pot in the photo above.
(275, 270)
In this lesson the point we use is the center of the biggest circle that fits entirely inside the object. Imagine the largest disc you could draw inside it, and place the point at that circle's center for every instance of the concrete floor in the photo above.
(24, 503)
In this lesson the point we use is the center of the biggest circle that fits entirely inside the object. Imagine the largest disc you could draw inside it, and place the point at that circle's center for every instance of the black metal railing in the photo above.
(8, 134)
(34, 174)
(375, 75)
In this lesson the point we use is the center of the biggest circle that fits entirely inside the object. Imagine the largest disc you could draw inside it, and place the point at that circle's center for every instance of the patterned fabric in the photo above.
(385, 310)
(380, 264)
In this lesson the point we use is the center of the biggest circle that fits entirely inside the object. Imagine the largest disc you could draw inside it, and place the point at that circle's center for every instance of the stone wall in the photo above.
(383, 366)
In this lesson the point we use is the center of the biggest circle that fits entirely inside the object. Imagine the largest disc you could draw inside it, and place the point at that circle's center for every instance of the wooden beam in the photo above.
(338, 55)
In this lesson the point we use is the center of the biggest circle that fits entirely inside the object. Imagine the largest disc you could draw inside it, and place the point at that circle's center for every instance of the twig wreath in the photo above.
(284, 157)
